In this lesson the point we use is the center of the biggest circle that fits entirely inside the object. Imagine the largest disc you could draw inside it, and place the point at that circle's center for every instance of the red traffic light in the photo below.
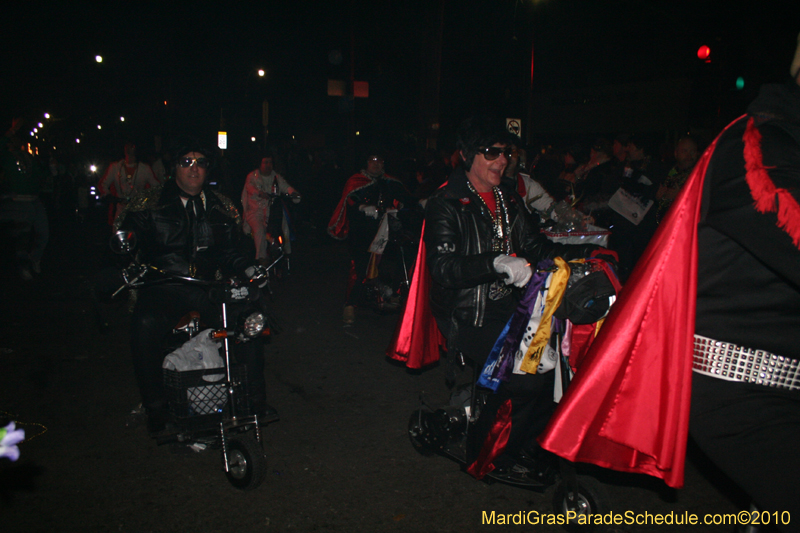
(703, 52)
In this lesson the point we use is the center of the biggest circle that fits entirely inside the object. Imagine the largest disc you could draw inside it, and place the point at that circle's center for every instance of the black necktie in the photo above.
(194, 212)
(194, 209)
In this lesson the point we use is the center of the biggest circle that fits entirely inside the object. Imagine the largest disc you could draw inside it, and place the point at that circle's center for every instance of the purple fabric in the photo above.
(518, 323)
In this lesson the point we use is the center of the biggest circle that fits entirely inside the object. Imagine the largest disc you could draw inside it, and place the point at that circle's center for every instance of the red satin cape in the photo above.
(628, 406)
(339, 226)
(417, 339)
(495, 442)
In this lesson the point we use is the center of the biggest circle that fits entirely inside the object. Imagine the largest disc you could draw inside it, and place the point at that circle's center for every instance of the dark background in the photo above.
(599, 67)
(339, 459)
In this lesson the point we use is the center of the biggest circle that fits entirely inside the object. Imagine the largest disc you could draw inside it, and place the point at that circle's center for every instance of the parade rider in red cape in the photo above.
(366, 197)
(478, 247)
(710, 314)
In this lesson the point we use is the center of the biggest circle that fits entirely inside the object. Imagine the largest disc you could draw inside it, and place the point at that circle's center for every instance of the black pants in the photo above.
(630, 241)
(158, 310)
(531, 395)
(359, 254)
(752, 432)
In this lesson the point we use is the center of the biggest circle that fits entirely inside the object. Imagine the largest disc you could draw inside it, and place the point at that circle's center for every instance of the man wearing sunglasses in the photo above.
(480, 246)
(186, 229)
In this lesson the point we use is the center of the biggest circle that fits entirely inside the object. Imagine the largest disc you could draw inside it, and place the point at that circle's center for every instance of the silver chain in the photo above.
(500, 240)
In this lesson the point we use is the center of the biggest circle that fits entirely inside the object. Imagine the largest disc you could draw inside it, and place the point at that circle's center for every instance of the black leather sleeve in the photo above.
(141, 224)
(448, 259)
(232, 258)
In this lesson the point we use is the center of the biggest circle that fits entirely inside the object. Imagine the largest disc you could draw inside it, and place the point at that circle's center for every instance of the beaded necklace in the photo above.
(500, 239)
(500, 224)
(128, 186)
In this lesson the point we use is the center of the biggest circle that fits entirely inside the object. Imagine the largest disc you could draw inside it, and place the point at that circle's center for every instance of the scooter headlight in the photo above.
(254, 324)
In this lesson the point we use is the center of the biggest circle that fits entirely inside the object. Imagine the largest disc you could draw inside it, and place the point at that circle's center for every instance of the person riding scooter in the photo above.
(480, 246)
(367, 199)
(184, 228)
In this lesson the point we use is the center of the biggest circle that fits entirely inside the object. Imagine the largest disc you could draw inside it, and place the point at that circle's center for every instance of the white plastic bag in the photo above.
(199, 353)
(381, 236)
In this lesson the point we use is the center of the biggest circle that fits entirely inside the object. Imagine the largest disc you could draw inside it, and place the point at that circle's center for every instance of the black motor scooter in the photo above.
(444, 430)
(212, 407)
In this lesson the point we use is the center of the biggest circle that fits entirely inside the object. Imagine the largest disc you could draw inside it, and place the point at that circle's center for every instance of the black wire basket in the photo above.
(199, 398)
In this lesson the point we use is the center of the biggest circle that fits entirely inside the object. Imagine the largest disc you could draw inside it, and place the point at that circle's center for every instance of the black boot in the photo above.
(265, 412)
(542, 464)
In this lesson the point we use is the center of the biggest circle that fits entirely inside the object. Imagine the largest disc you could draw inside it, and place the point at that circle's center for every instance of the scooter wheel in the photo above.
(247, 465)
(591, 499)
(417, 431)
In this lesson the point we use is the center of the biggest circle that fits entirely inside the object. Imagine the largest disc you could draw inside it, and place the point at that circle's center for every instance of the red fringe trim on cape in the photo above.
(767, 197)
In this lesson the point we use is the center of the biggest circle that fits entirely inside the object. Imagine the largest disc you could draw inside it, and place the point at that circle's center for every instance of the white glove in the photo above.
(369, 210)
(518, 270)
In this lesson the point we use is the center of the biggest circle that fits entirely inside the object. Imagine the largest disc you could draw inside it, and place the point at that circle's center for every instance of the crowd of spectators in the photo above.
(583, 176)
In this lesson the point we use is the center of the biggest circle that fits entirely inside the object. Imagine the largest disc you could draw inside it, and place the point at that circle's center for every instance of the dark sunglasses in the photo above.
(493, 152)
(186, 162)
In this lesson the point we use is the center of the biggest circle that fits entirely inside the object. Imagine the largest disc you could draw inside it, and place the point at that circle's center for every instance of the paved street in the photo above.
(339, 459)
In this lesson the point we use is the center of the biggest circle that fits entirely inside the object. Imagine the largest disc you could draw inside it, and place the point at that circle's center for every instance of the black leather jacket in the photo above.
(159, 219)
(458, 237)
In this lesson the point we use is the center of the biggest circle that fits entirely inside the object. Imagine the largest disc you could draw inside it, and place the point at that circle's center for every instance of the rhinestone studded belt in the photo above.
(735, 363)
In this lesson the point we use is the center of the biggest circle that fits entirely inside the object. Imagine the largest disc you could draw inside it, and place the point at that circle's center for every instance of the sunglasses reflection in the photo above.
(493, 152)
(187, 162)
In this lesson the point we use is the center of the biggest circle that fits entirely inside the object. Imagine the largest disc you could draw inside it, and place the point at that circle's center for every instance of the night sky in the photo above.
(202, 60)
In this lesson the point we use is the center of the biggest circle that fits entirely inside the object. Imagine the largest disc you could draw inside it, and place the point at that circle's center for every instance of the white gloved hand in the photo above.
(517, 269)
(369, 210)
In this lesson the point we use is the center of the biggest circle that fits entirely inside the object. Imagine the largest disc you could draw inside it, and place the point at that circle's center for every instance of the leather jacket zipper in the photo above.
(480, 293)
